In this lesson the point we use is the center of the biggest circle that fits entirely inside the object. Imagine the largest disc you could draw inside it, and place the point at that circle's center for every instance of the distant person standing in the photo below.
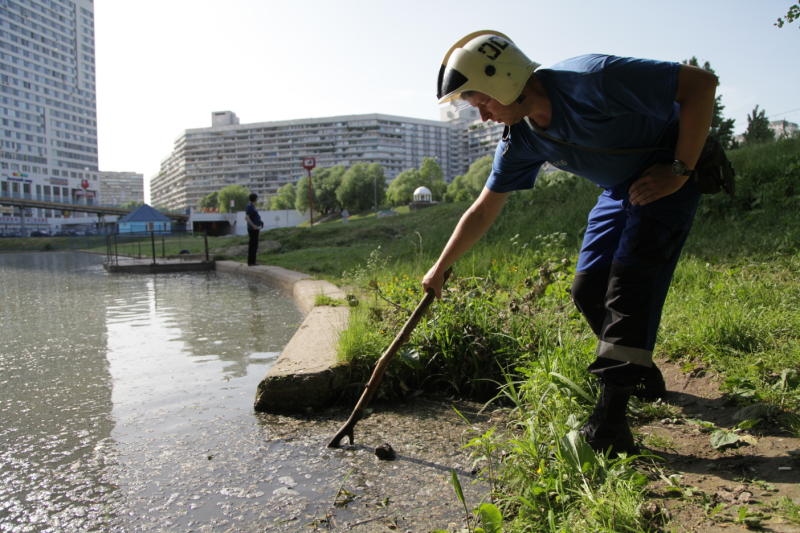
(254, 226)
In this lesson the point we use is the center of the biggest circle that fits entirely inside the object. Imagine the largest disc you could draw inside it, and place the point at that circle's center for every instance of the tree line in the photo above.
(360, 188)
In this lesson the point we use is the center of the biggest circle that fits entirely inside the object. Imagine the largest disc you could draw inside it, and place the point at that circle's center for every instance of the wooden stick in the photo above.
(380, 368)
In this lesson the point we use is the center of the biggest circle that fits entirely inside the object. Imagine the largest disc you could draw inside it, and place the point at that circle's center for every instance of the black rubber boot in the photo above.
(652, 386)
(607, 428)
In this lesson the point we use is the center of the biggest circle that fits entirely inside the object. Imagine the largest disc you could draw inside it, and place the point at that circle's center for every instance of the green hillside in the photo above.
(507, 329)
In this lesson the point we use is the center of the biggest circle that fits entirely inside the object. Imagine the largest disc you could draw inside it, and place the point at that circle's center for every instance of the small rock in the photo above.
(385, 452)
(650, 511)
(755, 411)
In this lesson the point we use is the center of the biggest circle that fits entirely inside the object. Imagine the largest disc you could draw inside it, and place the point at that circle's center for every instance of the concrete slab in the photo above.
(307, 374)
(306, 291)
(275, 276)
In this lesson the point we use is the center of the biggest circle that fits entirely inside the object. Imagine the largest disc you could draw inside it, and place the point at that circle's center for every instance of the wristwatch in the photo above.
(679, 168)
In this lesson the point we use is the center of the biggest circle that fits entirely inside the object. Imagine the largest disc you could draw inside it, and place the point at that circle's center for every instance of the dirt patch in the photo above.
(732, 488)
(411, 493)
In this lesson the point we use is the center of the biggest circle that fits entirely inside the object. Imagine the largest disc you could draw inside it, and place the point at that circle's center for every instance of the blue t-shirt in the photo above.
(597, 101)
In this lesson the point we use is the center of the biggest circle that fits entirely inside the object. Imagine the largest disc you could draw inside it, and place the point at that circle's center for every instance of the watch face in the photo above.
(679, 168)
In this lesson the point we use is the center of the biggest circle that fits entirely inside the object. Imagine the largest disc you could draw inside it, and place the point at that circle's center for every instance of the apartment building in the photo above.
(474, 138)
(117, 188)
(783, 129)
(264, 156)
(48, 126)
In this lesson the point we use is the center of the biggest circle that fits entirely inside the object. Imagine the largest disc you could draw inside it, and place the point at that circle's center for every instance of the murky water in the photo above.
(126, 405)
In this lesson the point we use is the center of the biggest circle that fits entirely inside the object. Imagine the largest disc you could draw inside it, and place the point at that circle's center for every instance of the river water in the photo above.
(126, 405)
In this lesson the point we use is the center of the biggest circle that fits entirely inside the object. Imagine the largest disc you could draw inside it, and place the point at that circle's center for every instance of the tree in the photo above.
(363, 187)
(430, 175)
(326, 181)
(232, 193)
(721, 128)
(433, 178)
(132, 205)
(791, 15)
(467, 187)
(284, 199)
(401, 189)
(758, 130)
(210, 201)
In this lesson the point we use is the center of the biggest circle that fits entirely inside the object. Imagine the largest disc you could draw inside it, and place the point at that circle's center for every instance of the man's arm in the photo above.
(472, 226)
(696, 92)
(250, 223)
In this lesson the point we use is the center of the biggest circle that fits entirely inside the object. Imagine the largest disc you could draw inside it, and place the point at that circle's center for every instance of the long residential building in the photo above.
(118, 188)
(48, 125)
(264, 156)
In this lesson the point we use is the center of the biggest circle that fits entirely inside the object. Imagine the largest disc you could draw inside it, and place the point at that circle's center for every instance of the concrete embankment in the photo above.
(306, 374)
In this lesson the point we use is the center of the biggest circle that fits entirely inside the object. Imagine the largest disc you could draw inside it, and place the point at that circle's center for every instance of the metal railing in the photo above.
(159, 247)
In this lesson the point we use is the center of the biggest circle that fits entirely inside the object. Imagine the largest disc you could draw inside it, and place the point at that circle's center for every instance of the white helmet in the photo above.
(485, 61)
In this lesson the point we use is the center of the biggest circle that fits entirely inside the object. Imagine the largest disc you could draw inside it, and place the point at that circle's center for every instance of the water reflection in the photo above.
(105, 381)
(55, 392)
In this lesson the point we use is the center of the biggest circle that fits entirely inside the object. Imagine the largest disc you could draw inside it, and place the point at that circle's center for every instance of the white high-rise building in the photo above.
(48, 125)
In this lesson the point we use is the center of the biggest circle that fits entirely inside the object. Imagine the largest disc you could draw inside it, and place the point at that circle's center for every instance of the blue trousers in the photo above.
(624, 270)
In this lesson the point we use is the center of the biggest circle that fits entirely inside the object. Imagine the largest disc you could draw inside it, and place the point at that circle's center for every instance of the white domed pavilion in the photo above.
(423, 194)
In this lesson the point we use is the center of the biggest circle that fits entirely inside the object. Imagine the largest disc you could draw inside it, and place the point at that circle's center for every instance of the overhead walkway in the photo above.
(27, 201)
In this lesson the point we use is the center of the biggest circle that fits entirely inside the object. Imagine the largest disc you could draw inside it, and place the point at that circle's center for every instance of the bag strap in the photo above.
(614, 151)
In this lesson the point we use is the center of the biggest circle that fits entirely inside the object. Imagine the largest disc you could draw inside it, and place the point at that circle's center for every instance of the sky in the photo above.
(163, 66)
